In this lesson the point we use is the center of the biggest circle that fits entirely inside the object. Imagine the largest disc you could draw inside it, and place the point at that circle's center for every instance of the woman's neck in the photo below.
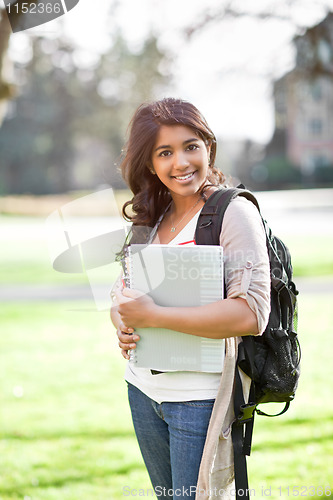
(181, 205)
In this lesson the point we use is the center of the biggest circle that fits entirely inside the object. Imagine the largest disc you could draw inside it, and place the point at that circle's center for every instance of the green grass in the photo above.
(65, 426)
(26, 255)
(296, 449)
(311, 256)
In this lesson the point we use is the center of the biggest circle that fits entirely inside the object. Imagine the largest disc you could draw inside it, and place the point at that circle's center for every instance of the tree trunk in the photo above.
(6, 89)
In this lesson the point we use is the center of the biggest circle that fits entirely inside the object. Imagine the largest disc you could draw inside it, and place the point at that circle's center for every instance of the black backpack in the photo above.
(271, 360)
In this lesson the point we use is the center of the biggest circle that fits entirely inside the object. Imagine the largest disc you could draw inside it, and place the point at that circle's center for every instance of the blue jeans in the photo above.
(171, 437)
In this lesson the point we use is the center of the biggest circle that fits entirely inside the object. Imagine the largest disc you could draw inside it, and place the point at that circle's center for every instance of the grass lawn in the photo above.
(65, 425)
(27, 254)
(66, 431)
(311, 256)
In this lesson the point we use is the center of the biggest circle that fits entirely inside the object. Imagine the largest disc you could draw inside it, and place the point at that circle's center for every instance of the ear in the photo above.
(208, 146)
(150, 168)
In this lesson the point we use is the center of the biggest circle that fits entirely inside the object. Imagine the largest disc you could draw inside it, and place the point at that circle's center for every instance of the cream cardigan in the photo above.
(216, 474)
(252, 282)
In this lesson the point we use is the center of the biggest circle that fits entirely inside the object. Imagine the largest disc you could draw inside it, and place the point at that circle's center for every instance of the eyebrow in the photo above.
(166, 146)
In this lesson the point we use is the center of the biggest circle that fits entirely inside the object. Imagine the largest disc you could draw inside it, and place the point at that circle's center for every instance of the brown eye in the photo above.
(165, 153)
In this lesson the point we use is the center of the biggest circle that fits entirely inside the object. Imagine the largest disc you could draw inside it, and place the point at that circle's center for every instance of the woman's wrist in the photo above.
(155, 317)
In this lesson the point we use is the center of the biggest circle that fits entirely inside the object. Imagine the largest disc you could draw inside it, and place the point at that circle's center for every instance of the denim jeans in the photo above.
(171, 437)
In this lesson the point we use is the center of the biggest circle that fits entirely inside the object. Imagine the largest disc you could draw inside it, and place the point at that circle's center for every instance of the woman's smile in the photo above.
(180, 159)
(184, 177)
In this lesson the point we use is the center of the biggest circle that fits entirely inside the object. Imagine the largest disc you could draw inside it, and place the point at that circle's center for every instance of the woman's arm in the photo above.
(225, 318)
(245, 311)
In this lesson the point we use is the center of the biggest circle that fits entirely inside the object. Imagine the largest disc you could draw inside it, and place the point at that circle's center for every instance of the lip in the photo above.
(184, 177)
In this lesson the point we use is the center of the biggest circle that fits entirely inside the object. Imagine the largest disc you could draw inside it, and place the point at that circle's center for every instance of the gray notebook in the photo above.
(177, 276)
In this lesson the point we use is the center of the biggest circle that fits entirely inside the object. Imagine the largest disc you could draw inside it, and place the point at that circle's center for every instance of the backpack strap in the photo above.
(242, 430)
(211, 216)
(208, 233)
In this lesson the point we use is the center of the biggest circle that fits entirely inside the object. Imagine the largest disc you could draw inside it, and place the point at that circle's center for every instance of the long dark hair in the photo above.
(151, 197)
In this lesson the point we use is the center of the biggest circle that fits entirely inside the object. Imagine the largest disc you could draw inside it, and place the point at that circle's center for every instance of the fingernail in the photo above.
(136, 337)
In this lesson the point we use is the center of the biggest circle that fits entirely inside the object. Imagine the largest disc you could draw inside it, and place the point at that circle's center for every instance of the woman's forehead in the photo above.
(168, 134)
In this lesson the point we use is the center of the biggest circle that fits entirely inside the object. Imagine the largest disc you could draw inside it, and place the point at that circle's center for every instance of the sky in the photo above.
(226, 70)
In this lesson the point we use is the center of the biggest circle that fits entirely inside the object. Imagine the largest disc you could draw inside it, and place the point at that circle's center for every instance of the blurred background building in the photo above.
(300, 152)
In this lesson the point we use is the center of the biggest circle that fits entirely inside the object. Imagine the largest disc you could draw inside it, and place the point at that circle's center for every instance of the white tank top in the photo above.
(175, 386)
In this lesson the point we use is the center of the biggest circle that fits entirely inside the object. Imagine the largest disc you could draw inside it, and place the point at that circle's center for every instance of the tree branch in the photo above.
(228, 11)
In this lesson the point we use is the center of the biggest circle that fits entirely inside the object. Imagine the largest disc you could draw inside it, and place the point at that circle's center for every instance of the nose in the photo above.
(180, 160)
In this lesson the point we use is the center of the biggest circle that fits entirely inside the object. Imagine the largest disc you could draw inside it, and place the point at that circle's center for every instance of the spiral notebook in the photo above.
(183, 276)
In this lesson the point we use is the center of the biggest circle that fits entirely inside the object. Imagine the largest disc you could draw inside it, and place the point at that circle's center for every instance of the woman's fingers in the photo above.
(127, 340)
(125, 354)
(127, 329)
(126, 345)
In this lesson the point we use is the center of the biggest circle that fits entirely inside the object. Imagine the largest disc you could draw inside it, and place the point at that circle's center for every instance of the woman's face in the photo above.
(180, 159)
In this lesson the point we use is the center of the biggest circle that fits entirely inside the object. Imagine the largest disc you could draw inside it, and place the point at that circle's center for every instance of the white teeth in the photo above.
(183, 177)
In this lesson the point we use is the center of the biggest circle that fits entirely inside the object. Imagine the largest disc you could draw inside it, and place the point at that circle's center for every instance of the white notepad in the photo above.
(177, 276)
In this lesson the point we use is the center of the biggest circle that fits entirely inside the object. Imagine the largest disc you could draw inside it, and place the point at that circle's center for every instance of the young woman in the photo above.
(183, 419)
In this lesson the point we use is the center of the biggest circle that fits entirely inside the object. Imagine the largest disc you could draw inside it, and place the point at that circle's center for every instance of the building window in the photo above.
(315, 127)
(325, 52)
(321, 160)
(316, 91)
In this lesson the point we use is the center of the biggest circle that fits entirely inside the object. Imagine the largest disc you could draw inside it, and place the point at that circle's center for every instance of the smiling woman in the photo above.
(179, 416)
(172, 139)
(184, 160)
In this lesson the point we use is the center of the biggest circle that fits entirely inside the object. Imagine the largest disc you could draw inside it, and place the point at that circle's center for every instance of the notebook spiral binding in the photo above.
(127, 268)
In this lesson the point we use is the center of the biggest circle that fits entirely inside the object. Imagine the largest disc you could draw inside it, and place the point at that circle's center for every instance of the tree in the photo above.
(67, 126)
(7, 90)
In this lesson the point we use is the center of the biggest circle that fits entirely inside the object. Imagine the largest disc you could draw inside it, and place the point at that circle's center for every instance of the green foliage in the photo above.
(35, 140)
(279, 173)
(275, 173)
(323, 175)
(67, 126)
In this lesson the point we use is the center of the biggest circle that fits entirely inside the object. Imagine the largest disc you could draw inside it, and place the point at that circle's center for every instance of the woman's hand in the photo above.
(127, 339)
(136, 309)
(133, 308)
(129, 310)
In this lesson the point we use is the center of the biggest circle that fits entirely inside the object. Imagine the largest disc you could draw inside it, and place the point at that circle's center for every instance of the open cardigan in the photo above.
(216, 474)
